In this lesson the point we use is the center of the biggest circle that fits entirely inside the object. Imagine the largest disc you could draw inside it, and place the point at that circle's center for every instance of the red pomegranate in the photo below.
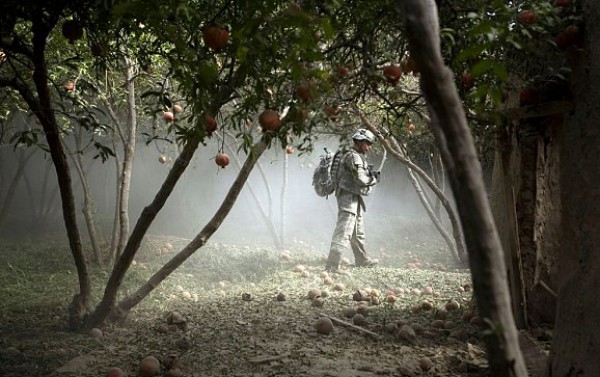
(331, 111)
(392, 73)
(527, 17)
(210, 124)
(529, 96)
(467, 80)
(562, 3)
(215, 37)
(304, 92)
(269, 120)
(343, 71)
(168, 116)
(567, 37)
(72, 30)
(222, 159)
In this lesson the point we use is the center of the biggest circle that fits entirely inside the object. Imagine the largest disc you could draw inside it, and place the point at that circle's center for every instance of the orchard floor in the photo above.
(232, 323)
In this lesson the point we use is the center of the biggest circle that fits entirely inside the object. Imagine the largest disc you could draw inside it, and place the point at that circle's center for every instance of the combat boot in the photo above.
(368, 263)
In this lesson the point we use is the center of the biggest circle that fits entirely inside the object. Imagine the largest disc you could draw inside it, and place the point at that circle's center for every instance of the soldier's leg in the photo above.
(340, 240)
(357, 242)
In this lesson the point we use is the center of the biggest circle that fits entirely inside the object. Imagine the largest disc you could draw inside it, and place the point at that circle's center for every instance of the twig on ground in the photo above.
(348, 324)
(268, 359)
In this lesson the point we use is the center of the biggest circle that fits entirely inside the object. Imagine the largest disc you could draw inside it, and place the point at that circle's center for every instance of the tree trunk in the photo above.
(89, 212)
(116, 225)
(149, 213)
(432, 215)
(47, 196)
(425, 201)
(128, 155)
(283, 199)
(200, 240)
(466, 179)
(503, 193)
(124, 167)
(42, 107)
(439, 177)
(575, 347)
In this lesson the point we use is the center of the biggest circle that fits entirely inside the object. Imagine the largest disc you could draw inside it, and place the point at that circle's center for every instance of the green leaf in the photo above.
(328, 29)
(495, 95)
(448, 34)
(481, 67)
(471, 51)
(207, 73)
(482, 28)
(241, 53)
(500, 71)
(515, 44)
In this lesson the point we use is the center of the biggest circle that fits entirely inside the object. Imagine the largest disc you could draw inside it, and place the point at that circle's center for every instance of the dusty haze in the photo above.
(309, 219)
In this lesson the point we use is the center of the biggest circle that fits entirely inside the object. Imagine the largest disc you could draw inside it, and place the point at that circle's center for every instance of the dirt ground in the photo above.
(244, 311)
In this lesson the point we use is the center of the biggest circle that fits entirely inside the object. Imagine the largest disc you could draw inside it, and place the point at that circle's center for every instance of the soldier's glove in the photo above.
(373, 173)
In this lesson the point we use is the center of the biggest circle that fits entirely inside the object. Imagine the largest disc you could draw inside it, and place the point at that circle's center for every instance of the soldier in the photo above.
(355, 179)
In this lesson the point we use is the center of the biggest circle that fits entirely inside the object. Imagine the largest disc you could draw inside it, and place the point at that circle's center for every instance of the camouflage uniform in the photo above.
(355, 180)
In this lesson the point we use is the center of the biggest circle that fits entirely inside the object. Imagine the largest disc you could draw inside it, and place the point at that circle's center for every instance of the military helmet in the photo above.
(364, 134)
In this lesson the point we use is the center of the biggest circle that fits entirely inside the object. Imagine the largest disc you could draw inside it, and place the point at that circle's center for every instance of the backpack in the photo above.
(325, 174)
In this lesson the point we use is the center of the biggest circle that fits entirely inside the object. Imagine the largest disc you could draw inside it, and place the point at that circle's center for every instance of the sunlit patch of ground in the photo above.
(233, 323)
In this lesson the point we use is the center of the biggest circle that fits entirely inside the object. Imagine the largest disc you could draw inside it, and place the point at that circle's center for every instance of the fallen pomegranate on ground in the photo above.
(168, 116)
(149, 367)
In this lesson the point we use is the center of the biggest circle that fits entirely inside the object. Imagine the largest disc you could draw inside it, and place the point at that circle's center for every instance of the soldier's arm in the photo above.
(362, 176)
